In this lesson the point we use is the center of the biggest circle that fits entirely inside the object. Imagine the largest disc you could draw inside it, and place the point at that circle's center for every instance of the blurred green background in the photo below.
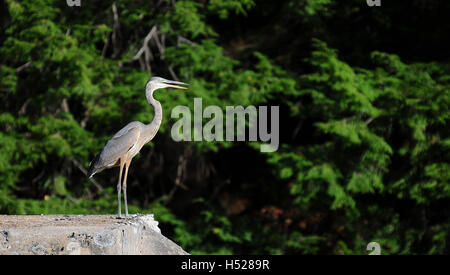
(364, 119)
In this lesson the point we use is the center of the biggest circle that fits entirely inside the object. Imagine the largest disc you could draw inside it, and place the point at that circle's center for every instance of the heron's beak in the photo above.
(170, 83)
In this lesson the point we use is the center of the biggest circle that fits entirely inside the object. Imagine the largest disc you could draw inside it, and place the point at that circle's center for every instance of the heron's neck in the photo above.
(156, 122)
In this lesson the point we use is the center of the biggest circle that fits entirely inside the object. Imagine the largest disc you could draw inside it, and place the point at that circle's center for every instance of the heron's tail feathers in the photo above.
(92, 169)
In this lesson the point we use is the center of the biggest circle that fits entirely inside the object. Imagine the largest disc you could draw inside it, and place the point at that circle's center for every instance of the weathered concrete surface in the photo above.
(83, 234)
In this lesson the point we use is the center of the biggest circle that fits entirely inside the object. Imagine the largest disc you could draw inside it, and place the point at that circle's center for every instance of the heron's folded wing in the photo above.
(119, 144)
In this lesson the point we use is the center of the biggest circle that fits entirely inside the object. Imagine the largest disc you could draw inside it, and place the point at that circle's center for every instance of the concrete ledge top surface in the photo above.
(26, 221)
(83, 234)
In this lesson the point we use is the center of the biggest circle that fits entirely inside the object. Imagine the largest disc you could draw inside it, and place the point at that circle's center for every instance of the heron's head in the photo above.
(158, 83)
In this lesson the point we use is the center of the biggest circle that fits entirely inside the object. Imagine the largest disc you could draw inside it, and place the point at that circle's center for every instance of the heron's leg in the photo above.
(119, 187)
(124, 186)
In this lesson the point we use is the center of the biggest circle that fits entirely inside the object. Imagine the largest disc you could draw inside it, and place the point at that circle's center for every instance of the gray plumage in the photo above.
(126, 143)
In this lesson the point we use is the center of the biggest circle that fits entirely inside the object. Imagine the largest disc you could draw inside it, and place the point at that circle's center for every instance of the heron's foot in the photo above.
(121, 217)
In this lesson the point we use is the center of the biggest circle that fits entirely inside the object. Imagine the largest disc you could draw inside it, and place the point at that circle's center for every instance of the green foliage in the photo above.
(364, 153)
(222, 8)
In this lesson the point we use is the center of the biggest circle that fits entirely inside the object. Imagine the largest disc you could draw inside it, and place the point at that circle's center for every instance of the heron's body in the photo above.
(125, 144)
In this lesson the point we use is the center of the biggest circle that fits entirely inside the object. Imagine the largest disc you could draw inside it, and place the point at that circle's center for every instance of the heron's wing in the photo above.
(119, 145)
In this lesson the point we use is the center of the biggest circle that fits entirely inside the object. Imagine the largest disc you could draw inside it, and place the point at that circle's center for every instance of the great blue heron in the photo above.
(125, 144)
